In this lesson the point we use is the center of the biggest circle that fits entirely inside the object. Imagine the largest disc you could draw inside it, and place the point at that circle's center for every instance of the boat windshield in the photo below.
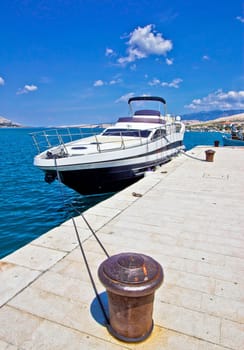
(126, 132)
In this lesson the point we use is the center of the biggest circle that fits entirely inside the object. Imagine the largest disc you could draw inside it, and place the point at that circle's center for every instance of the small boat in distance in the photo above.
(117, 156)
(236, 137)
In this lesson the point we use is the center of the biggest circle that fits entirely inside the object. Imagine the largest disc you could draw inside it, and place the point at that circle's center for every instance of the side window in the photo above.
(157, 134)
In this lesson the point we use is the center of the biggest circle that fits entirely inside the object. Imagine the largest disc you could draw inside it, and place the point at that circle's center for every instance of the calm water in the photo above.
(29, 206)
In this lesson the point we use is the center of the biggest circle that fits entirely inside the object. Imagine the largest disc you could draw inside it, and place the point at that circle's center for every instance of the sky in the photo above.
(69, 62)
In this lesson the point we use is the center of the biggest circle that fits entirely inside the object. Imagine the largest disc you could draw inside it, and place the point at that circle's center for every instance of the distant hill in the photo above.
(211, 115)
(216, 116)
(230, 119)
(6, 123)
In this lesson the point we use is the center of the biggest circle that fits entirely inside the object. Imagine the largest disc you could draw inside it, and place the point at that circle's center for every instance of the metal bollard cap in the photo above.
(131, 274)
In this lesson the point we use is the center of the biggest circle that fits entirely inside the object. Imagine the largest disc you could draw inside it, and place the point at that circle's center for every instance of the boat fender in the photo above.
(49, 155)
(49, 178)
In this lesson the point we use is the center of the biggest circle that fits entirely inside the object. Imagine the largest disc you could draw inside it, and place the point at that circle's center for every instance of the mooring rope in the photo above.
(81, 246)
(80, 213)
(189, 156)
(90, 273)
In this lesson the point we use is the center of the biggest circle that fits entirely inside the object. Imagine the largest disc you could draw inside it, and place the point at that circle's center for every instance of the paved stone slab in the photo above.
(7, 346)
(232, 334)
(188, 215)
(165, 339)
(51, 336)
(16, 326)
(13, 279)
(67, 243)
(34, 257)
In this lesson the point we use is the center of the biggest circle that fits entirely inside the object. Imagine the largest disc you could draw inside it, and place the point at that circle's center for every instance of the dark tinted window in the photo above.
(158, 134)
(126, 132)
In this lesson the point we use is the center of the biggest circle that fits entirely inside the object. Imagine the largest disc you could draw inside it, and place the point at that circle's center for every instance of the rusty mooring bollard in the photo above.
(209, 155)
(216, 143)
(130, 280)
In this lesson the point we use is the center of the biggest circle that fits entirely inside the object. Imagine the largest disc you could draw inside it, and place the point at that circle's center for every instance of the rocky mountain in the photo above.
(236, 118)
(6, 123)
(211, 115)
(215, 115)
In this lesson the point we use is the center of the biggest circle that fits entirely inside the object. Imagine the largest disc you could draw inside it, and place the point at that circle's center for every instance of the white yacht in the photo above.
(118, 155)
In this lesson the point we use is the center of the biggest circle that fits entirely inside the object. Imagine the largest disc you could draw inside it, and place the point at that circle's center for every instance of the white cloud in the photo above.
(125, 98)
(241, 19)
(154, 82)
(115, 81)
(144, 42)
(206, 58)
(175, 83)
(98, 83)
(169, 61)
(2, 82)
(111, 82)
(26, 89)
(218, 100)
(110, 52)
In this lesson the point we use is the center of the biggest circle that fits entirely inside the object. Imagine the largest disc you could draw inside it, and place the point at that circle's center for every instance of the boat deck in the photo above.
(104, 143)
(188, 215)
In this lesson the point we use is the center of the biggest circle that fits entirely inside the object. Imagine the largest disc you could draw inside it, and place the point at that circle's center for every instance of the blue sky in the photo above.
(78, 61)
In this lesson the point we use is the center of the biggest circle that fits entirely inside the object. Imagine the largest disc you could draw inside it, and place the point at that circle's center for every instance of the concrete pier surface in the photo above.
(188, 216)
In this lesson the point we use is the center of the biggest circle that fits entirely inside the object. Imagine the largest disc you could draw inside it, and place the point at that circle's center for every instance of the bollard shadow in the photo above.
(96, 310)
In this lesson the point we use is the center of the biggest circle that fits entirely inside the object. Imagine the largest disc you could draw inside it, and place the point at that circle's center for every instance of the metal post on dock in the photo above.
(130, 280)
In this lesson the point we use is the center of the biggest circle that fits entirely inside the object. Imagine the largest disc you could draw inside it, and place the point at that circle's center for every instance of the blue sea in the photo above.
(29, 206)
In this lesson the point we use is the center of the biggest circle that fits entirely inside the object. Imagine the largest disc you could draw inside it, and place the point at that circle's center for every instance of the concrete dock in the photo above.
(188, 216)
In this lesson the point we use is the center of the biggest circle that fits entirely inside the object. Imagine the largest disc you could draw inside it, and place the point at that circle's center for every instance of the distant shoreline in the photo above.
(11, 127)
(236, 118)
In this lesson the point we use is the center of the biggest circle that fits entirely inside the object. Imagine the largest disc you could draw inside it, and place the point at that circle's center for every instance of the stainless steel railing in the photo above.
(48, 138)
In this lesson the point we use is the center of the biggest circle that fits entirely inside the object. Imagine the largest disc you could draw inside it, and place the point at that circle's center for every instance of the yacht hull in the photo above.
(112, 177)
